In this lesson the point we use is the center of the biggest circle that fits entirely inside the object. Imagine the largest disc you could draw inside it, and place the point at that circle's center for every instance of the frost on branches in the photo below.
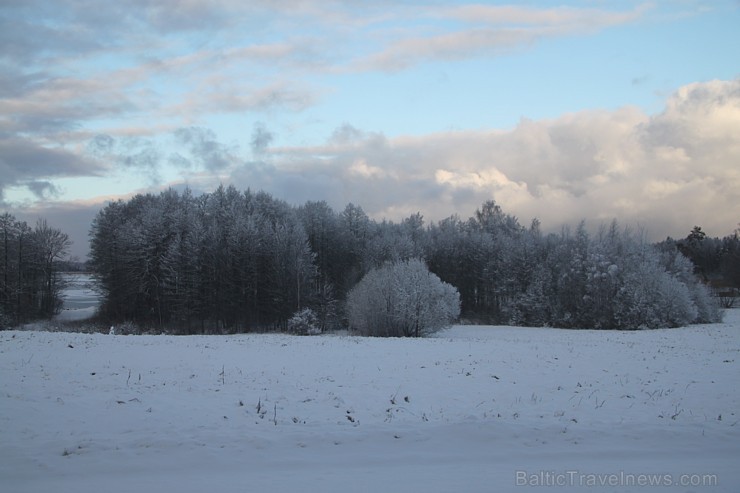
(304, 322)
(402, 299)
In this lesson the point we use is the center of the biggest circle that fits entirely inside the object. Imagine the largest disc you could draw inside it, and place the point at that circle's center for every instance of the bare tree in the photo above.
(52, 245)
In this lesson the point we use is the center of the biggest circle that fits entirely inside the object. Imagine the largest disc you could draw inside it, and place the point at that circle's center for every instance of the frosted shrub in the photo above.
(707, 308)
(402, 299)
(618, 281)
(651, 297)
(304, 322)
(677, 307)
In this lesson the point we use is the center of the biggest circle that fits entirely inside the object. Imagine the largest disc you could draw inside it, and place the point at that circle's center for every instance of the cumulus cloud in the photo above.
(593, 165)
(666, 172)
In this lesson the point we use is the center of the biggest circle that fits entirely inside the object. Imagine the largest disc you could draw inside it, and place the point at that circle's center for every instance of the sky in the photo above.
(586, 110)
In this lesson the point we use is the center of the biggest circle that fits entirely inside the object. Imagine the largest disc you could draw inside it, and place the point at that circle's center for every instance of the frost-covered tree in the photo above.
(649, 297)
(681, 268)
(304, 322)
(233, 261)
(402, 299)
(616, 280)
(224, 261)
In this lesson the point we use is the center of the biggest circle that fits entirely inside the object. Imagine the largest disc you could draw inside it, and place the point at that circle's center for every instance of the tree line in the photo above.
(231, 261)
(716, 260)
(30, 281)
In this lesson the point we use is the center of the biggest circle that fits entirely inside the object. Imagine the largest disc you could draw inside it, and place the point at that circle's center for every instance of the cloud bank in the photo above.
(665, 172)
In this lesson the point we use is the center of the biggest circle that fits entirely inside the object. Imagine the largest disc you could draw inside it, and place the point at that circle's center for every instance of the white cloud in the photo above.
(593, 165)
(557, 16)
(361, 169)
(667, 171)
(485, 30)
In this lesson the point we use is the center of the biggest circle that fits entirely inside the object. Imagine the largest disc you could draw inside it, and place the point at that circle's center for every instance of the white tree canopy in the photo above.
(402, 299)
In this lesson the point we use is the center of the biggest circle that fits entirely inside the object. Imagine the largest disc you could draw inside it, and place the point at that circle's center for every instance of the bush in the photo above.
(402, 299)
(304, 322)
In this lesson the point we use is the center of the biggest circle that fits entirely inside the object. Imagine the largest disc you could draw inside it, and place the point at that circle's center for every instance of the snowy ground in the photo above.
(475, 409)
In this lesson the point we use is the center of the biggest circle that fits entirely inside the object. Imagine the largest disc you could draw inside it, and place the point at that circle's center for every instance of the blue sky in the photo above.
(562, 111)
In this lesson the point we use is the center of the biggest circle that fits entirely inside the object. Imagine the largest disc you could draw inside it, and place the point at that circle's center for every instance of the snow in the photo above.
(472, 409)
(80, 298)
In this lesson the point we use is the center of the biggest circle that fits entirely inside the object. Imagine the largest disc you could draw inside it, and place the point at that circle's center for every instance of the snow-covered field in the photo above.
(490, 409)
